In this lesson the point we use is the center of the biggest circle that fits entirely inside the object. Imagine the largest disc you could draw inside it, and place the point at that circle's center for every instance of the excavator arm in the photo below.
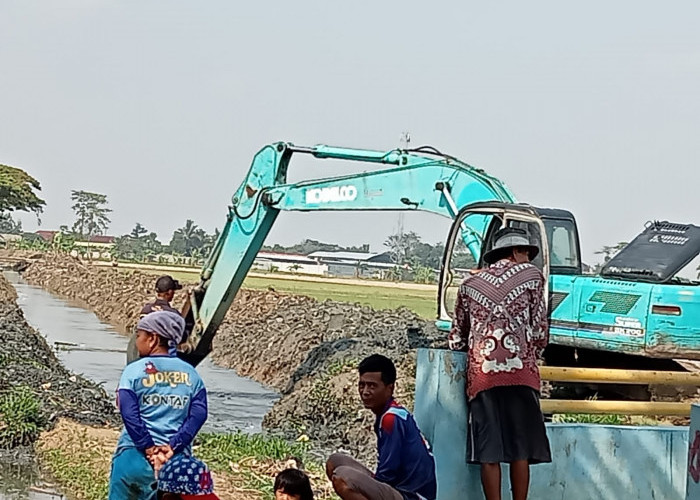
(419, 179)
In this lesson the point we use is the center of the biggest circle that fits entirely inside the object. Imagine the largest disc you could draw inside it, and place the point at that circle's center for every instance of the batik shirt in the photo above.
(501, 321)
(405, 461)
(162, 400)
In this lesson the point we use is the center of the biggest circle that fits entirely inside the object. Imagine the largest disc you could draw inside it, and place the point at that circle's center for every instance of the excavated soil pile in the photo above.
(115, 296)
(28, 367)
(309, 350)
(305, 348)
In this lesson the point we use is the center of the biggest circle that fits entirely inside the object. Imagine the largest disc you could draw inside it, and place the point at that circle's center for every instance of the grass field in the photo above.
(422, 302)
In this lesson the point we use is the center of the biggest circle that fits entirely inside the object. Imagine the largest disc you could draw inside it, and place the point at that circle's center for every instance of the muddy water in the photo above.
(95, 349)
(23, 482)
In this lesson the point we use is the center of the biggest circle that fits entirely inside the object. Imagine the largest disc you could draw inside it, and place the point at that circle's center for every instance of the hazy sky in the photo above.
(161, 105)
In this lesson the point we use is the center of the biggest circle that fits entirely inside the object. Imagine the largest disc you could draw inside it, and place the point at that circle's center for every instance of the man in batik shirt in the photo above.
(501, 322)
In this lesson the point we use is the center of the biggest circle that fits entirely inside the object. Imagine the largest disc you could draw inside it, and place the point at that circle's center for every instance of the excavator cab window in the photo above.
(563, 246)
(472, 235)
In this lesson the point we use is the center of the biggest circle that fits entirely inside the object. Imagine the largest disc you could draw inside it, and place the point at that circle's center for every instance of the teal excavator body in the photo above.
(637, 309)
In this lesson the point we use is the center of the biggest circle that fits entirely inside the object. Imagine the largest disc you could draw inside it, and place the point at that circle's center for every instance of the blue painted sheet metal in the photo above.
(589, 461)
(693, 485)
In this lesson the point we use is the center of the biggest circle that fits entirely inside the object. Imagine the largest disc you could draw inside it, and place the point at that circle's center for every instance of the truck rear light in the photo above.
(667, 310)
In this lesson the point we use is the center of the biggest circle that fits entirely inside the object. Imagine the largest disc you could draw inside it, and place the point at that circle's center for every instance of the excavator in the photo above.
(635, 313)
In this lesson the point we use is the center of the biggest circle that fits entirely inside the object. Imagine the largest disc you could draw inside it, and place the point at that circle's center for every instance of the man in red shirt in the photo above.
(501, 321)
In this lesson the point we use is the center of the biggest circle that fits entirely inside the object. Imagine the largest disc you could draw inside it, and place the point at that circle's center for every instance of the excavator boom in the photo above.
(419, 179)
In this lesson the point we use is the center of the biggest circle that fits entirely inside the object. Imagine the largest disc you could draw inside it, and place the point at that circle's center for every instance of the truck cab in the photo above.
(637, 307)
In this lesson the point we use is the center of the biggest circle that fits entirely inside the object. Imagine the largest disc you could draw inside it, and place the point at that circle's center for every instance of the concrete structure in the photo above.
(589, 462)
(354, 264)
(693, 483)
(289, 263)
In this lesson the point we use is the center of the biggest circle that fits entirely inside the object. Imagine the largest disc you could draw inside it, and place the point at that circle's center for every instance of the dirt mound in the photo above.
(35, 388)
(115, 296)
(8, 294)
(307, 349)
(310, 350)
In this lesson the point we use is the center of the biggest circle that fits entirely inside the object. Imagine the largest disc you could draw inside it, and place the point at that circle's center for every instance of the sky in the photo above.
(161, 105)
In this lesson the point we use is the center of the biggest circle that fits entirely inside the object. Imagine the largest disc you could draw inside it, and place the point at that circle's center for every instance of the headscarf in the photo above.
(188, 477)
(165, 324)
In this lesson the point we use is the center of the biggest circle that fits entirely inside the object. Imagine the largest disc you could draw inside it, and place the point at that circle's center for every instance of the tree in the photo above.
(608, 252)
(63, 240)
(461, 257)
(17, 191)
(187, 238)
(138, 231)
(91, 214)
(139, 245)
(209, 242)
(423, 274)
(402, 246)
(8, 225)
(429, 255)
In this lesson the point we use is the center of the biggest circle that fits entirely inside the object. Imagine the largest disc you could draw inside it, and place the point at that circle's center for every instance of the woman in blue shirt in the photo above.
(163, 403)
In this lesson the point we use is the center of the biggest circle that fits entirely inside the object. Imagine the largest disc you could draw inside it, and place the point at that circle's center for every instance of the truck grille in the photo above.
(615, 303)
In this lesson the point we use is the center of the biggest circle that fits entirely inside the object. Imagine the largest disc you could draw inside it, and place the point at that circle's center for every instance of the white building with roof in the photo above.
(354, 264)
(288, 263)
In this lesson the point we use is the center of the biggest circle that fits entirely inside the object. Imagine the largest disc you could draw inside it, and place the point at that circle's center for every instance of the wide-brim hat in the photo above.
(506, 243)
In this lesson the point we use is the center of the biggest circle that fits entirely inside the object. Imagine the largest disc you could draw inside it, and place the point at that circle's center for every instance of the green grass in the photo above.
(587, 418)
(79, 460)
(422, 302)
(218, 451)
(20, 418)
(77, 474)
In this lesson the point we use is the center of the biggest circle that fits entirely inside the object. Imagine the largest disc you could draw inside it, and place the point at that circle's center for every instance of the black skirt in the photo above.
(506, 424)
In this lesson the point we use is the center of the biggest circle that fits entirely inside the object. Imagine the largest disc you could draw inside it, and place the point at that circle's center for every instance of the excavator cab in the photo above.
(481, 221)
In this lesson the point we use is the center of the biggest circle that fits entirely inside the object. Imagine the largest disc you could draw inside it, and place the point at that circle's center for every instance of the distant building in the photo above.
(99, 245)
(9, 238)
(47, 235)
(289, 263)
(98, 240)
(354, 264)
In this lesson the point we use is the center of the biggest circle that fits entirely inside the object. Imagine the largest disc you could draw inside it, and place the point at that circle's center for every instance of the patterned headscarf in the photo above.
(188, 477)
(166, 324)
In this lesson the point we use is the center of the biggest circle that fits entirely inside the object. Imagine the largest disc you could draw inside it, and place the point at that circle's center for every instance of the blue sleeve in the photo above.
(390, 448)
(131, 415)
(196, 417)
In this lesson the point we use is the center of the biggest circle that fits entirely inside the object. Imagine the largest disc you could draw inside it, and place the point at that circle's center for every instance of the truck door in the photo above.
(564, 259)
(498, 216)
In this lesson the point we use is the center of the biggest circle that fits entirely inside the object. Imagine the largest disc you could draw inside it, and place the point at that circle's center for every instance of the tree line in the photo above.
(19, 192)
